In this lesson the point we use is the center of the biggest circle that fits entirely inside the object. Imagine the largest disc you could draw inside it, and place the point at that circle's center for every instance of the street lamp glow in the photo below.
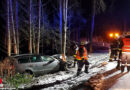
(111, 34)
(116, 34)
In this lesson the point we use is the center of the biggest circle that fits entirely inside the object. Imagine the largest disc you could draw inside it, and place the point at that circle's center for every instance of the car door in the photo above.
(49, 64)
(29, 63)
(23, 63)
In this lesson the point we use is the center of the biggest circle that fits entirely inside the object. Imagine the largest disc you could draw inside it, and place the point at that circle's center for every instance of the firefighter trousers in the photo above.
(75, 60)
(113, 54)
(119, 59)
(81, 63)
(120, 54)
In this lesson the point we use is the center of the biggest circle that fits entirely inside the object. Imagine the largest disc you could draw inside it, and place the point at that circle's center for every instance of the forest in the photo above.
(47, 26)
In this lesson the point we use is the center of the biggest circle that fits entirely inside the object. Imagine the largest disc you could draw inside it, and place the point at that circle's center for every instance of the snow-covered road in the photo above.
(122, 83)
(67, 79)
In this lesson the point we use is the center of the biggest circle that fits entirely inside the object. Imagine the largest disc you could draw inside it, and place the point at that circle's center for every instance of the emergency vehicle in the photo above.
(125, 60)
(126, 42)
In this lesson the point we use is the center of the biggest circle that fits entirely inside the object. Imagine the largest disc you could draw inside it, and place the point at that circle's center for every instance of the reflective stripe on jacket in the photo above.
(75, 54)
(84, 55)
(126, 47)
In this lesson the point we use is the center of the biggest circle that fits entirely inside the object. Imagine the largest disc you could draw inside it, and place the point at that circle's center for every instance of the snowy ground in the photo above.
(67, 79)
(122, 82)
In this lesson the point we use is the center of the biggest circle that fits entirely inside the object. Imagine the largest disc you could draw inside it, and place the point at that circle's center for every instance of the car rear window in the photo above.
(23, 60)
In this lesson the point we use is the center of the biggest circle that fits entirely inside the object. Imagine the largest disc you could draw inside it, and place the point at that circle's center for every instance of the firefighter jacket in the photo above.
(126, 47)
(114, 45)
(120, 43)
(75, 53)
(78, 57)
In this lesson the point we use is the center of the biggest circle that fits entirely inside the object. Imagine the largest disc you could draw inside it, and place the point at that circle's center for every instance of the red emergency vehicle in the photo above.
(125, 60)
(126, 41)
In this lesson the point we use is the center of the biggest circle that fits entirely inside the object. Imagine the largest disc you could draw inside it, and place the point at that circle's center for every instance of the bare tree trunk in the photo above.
(92, 23)
(13, 29)
(8, 30)
(64, 25)
(39, 16)
(30, 31)
(66, 4)
(60, 25)
(16, 21)
(33, 37)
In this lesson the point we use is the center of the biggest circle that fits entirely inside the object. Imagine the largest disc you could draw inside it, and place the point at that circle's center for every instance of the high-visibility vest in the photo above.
(126, 47)
(84, 55)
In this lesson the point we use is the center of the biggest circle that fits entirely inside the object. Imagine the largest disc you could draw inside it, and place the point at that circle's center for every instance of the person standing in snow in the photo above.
(82, 58)
(120, 45)
(75, 52)
(114, 50)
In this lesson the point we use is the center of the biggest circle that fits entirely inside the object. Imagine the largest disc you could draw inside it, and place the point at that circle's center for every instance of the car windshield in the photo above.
(58, 56)
(46, 58)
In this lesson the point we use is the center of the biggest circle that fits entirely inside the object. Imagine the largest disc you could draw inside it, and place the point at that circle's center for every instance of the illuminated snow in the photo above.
(69, 79)
(123, 83)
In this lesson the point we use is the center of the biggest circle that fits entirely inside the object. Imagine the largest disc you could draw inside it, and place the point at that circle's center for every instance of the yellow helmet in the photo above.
(82, 43)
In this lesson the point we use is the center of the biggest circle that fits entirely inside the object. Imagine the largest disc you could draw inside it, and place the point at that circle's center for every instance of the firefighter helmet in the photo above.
(82, 43)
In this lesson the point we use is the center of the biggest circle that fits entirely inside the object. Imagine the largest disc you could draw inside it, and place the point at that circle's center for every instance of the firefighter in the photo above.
(120, 45)
(125, 59)
(82, 58)
(113, 49)
(75, 52)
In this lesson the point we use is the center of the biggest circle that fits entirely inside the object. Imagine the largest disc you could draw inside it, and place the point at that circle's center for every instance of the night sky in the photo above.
(117, 12)
(115, 18)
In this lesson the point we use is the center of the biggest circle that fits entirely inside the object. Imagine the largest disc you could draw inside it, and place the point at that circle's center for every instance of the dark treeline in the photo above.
(25, 19)
(49, 24)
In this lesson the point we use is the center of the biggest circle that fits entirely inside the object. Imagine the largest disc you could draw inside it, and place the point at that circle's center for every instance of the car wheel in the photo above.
(28, 72)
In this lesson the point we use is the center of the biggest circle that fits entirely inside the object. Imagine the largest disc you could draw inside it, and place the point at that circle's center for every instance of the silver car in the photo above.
(36, 64)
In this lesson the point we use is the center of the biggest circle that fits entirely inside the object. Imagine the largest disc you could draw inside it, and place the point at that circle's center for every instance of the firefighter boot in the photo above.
(110, 60)
(118, 65)
(78, 71)
(86, 69)
(115, 58)
(122, 68)
(128, 68)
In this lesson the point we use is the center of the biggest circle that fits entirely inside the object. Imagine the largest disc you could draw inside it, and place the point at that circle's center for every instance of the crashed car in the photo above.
(69, 63)
(36, 64)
